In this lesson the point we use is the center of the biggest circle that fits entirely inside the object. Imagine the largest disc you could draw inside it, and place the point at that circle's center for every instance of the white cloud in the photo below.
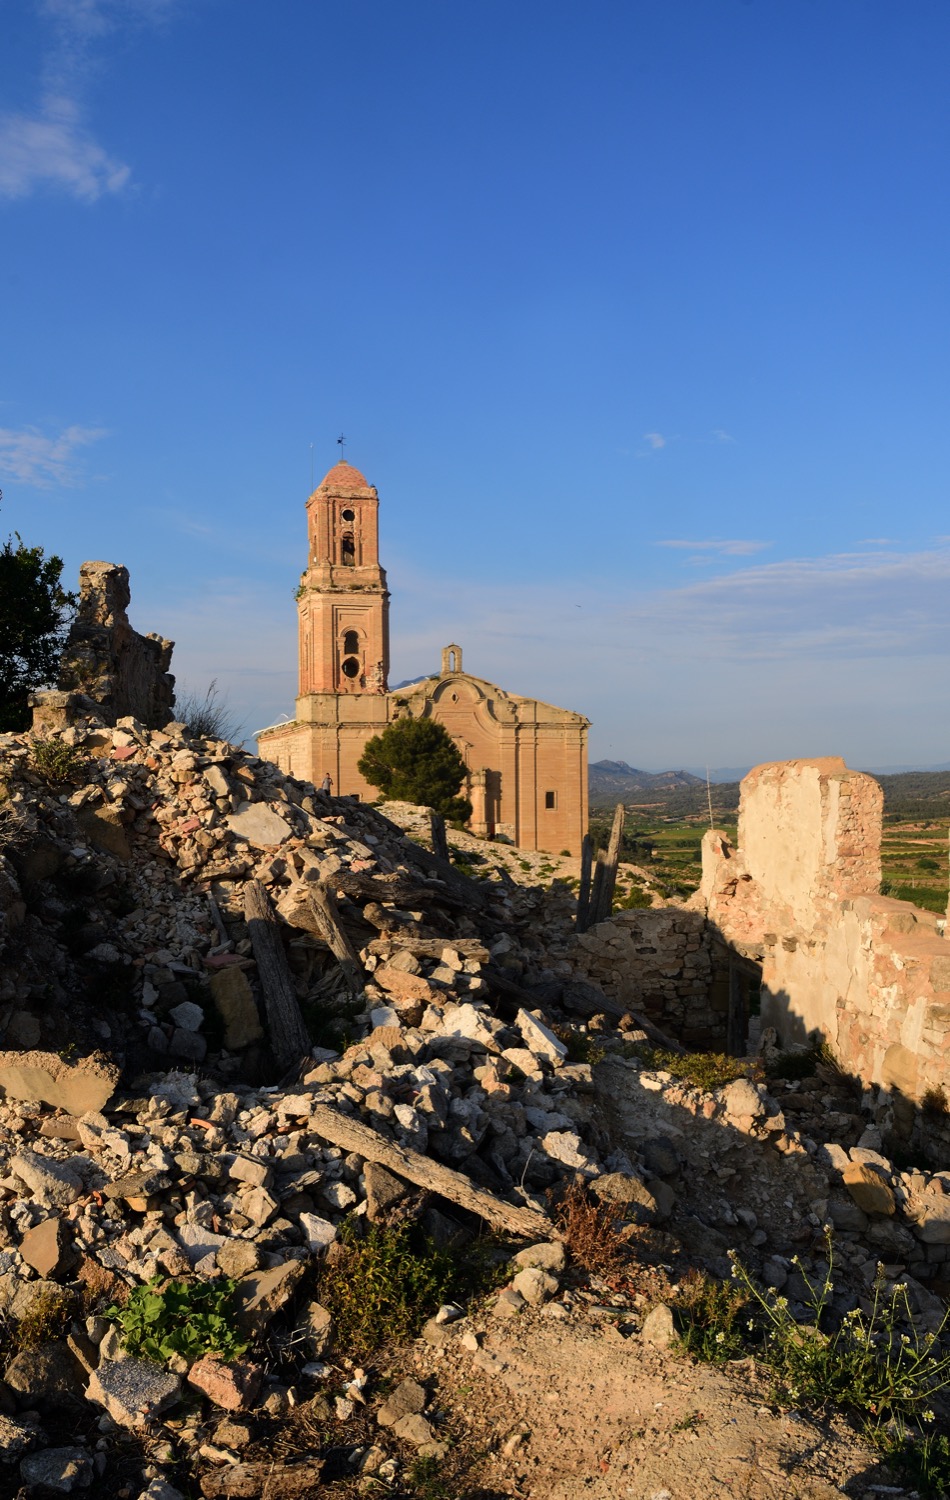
(735, 547)
(655, 439)
(52, 149)
(35, 459)
(50, 146)
(722, 436)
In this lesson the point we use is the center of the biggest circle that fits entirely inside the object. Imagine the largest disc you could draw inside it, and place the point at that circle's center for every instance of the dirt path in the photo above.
(578, 1408)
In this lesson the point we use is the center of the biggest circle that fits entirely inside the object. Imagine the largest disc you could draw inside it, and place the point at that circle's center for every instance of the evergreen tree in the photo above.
(35, 611)
(415, 760)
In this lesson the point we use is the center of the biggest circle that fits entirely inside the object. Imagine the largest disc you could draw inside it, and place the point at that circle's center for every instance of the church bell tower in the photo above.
(343, 602)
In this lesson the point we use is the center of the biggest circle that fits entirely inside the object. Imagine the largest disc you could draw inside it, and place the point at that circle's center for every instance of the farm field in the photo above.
(663, 836)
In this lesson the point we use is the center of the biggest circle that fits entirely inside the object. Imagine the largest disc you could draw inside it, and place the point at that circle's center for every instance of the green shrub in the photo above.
(701, 1070)
(190, 1318)
(381, 1286)
(56, 761)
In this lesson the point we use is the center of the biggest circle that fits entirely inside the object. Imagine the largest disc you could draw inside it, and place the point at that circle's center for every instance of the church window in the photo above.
(351, 666)
(351, 643)
(348, 550)
(349, 515)
(550, 799)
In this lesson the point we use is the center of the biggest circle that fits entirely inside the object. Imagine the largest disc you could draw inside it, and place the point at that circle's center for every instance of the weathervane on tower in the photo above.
(341, 440)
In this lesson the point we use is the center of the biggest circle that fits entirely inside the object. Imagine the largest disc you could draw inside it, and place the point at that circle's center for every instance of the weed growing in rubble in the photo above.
(591, 1233)
(46, 1318)
(712, 1317)
(56, 761)
(701, 1070)
(872, 1363)
(190, 1318)
(380, 1286)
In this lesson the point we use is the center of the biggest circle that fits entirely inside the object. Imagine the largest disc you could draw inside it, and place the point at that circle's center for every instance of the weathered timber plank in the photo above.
(354, 1135)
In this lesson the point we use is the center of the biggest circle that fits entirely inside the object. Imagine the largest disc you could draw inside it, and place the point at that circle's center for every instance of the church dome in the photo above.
(343, 479)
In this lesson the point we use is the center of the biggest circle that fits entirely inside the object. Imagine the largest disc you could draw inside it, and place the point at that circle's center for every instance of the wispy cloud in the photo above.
(655, 439)
(725, 547)
(41, 461)
(53, 149)
(50, 146)
(722, 436)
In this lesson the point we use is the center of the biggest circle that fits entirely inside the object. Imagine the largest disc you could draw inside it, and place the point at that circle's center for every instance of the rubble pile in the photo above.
(457, 1063)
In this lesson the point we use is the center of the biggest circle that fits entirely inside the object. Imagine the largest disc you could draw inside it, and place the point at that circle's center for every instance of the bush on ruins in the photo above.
(415, 760)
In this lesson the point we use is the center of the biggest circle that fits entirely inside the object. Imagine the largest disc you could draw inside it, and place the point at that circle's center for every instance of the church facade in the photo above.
(527, 759)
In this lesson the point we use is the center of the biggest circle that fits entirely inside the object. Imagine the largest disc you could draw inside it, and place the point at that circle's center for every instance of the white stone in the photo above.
(318, 1233)
(259, 825)
(540, 1039)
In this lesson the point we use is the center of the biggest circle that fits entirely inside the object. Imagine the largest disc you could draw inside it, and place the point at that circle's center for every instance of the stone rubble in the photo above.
(122, 928)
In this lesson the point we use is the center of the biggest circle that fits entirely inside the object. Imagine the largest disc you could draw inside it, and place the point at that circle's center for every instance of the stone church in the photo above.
(528, 760)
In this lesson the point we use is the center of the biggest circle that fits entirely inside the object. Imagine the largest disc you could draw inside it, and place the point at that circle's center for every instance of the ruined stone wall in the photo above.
(107, 666)
(658, 962)
(801, 890)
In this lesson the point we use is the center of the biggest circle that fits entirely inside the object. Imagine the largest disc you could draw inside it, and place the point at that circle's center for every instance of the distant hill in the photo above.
(680, 794)
(614, 781)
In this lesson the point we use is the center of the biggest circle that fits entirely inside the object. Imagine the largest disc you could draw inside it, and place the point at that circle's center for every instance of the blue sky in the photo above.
(636, 312)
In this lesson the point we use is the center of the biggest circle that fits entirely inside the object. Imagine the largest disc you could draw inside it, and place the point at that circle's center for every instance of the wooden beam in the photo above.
(356, 1136)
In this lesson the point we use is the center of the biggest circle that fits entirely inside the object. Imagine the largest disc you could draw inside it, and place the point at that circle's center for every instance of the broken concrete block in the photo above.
(77, 1088)
(133, 1391)
(51, 1183)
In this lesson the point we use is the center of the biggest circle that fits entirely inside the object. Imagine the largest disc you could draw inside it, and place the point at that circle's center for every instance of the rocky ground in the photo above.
(160, 1121)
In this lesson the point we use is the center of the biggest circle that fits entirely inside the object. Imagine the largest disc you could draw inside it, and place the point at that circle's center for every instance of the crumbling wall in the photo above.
(657, 961)
(107, 667)
(871, 975)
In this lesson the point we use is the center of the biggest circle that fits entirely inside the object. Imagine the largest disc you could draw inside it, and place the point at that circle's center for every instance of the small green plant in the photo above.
(635, 899)
(581, 1046)
(874, 1364)
(46, 1318)
(381, 1286)
(190, 1318)
(712, 1317)
(56, 761)
(796, 1063)
(701, 1070)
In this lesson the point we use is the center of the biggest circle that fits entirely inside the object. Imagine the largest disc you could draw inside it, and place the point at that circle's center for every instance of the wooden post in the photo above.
(583, 894)
(440, 843)
(605, 896)
(287, 1034)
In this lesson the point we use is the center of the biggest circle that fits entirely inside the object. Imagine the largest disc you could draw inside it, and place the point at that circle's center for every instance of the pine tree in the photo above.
(415, 760)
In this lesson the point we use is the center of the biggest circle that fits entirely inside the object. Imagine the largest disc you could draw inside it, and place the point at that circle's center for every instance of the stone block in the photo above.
(234, 1001)
(259, 825)
(58, 1471)
(232, 1386)
(868, 1189)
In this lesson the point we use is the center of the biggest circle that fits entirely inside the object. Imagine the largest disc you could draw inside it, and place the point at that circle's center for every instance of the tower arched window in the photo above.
(348, 550)
(351, 643)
